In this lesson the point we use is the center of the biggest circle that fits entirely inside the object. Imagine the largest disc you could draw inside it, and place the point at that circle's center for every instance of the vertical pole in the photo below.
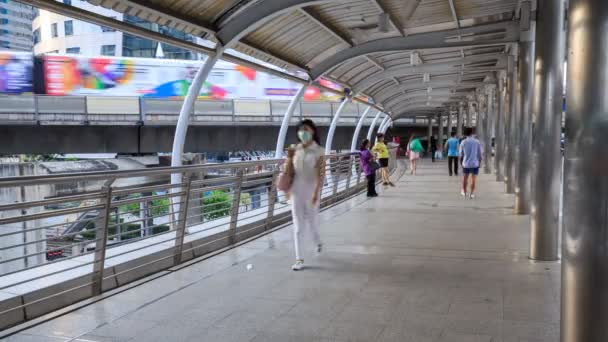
(459, 120)
(85, 110)
(36, 110)
(334, 124)
(499, 158)
(430, 134)
(523, 186)
(180, 232)
(512, 133)
(278, 153)
(142, 110)
(440, 133)
(236, 202)
(470, 114)
(272, 198)
(547, 116)
(450, 123)
(487, 130)
(370, 132)
(101, 237)
(353, 144)
(349, 175)
(585, 256)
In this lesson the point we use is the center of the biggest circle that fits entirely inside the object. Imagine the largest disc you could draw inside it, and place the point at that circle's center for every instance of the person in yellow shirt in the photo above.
(381, 151)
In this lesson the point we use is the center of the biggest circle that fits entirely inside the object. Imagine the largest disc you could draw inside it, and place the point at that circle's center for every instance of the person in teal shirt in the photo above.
(414, 148)
(452, 146)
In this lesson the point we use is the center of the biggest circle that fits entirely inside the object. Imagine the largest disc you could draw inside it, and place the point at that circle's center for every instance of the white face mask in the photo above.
(305, 136)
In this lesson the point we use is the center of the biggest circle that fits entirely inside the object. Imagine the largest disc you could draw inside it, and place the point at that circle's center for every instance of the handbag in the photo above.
(285, 180)
(374, 166)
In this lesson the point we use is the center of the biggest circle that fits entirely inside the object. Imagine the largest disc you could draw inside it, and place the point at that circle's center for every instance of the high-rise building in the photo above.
(55, 33)
(16, 26)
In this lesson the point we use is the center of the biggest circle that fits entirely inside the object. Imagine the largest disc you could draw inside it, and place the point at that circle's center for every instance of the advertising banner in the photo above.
(111, 76)
(16, 72)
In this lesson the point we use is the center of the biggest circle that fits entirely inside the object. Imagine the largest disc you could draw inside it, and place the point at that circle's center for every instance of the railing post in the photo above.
(180, 232)
(272, 198)
(142, 110)
(358, 171)
(349, 176)
(101, 240)
(270, 110)
(86, 110)
(36, 110)
(236, 201)
(333, 168)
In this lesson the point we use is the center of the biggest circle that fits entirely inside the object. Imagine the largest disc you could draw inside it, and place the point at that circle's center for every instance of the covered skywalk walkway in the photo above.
(419, 263)
(420, 260)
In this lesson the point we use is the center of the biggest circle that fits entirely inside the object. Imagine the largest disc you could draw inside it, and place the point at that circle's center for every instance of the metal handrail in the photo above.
(137, 223)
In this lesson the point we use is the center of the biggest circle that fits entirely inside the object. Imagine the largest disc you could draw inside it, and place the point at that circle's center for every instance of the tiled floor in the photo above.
(419, 263)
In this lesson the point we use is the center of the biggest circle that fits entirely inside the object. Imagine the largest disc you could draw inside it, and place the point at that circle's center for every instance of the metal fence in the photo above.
(116, 110)
(68, 237)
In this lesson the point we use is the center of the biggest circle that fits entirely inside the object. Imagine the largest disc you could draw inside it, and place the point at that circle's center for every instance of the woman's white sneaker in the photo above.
(298, 265)
(463, 193)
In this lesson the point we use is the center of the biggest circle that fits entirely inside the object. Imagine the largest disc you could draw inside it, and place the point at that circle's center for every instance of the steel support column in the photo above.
(278, 153)
(584, 252)
(450, 123)
(512, 133)
(181, 128)
(370, 132)
(430, 134)
(440, 133)
(469, 114)
(459, 123)
(353, 144)
(334, 124)
(523, 187)
(487, 128)
(547, 117)
(499, 158)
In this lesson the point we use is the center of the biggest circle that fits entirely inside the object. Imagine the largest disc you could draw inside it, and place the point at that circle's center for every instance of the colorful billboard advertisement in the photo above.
(109, 76)
(310, 94)
(16, 72)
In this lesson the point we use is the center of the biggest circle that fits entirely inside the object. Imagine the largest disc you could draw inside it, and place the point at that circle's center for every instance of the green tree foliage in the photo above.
(216, 205)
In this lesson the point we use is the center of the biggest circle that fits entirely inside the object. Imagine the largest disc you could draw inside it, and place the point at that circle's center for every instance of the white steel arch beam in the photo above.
(370, 132)
(255, 15)
(334, 123)
(451, 84)
(433, 98)
(490, 34)
(419, 94)
(353, 144)
(278, 153)
(384, 121)
(455, 65)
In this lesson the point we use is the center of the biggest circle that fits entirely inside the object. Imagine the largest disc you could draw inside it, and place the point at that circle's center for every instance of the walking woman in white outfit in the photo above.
(308, 164)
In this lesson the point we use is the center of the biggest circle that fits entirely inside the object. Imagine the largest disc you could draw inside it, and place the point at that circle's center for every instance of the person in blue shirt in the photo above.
(471, 154)
(452, 148)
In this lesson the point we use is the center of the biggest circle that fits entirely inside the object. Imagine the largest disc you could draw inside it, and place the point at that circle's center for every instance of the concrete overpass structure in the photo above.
(71, 124)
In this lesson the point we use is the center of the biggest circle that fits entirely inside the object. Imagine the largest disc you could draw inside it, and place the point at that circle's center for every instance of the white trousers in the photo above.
(305, 214)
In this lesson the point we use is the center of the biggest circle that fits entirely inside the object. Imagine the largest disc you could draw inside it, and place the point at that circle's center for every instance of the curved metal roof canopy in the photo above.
(410, 56)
